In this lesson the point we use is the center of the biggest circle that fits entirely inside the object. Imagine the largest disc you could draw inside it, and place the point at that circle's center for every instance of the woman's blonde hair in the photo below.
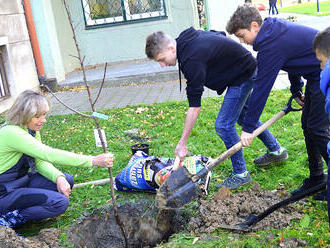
(27, 105)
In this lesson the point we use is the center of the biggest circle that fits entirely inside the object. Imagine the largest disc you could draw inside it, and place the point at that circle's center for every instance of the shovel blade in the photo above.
(177, 190)
(183, 195)
(176, 180)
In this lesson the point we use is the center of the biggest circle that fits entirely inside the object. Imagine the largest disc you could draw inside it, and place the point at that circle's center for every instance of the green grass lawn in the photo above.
(309, 8)
(162, 124)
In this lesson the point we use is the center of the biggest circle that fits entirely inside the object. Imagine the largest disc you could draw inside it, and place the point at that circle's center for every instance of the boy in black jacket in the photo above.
(219, 63)
(283, 45)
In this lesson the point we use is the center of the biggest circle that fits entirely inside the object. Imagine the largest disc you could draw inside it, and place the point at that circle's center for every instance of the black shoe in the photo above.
(321, 196)
(309, 183)
(269, 158)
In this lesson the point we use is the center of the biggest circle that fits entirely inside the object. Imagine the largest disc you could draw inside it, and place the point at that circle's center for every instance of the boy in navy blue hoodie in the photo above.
(283, 45)
(212, 60)
(322, 50)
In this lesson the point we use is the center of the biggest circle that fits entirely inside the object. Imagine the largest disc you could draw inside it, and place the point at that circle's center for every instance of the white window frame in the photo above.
(4, 85)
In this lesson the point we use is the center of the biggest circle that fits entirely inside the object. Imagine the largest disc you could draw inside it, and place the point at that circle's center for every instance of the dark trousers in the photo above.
(315, 124)
(38, 200)
(273, 8)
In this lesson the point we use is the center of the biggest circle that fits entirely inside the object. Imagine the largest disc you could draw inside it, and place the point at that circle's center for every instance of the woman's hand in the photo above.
(63, 186)
(104, 160)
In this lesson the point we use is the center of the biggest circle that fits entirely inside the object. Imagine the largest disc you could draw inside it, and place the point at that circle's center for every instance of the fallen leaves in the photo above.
(75, 88)
(140, 110)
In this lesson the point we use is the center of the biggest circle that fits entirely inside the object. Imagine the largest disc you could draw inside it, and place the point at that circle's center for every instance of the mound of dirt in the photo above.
(144, 226)
(225, 210)
(46, 238)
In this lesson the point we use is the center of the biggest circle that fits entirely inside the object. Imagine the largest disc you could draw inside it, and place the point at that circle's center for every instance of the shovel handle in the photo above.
(235, 148)
(177, 163)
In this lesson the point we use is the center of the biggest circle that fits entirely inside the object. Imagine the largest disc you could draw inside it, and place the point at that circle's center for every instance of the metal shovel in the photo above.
(181, 187)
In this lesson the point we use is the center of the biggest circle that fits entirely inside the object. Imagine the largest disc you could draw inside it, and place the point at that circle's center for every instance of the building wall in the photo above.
(19, 62)
(122, 42)
(47, 35)
(219, 12)
(64, 34)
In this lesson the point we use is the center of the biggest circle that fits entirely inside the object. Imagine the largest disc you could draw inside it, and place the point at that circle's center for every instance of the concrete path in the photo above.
(120, 96)
(144, 81)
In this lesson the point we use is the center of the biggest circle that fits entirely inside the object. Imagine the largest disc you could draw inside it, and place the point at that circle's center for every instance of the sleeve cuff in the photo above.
(194, 102)
(90, 158)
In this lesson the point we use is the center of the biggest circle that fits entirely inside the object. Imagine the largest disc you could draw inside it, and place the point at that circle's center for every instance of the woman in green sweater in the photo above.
(31, 188)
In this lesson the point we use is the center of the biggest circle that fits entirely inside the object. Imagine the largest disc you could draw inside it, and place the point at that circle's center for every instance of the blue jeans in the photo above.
(232, 111)
(273, 8)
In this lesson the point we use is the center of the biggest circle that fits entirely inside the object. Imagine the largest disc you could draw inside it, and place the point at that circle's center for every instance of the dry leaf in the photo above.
(195, 240)
(281, 238)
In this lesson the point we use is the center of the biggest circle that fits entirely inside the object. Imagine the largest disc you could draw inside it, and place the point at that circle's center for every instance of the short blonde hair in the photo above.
(27, 105)
(156, 43)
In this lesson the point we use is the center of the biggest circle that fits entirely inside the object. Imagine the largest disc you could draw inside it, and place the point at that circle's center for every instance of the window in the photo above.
(4, 90)
(103, 12)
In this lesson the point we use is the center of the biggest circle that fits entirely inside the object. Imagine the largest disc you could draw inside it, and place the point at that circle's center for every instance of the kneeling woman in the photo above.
(31, 188)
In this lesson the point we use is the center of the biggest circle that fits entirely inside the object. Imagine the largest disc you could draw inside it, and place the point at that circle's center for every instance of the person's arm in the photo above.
(47, 170)
(296, 88)
(195, 73)
(325, 86)
(19, 140)
(269, 64)
(191, 117)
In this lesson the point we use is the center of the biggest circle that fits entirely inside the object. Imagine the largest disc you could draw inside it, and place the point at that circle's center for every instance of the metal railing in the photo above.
(100, 12)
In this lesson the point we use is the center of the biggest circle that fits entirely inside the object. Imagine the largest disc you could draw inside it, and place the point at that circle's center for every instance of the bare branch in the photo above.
(73, 110)
(115, 208)
(100, 89)
(74, 56)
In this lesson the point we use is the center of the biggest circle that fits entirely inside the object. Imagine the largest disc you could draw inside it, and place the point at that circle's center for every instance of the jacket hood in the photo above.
(270, 30)
(184, 38)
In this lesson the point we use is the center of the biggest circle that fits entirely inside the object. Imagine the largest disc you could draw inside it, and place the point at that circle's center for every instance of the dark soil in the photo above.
(144, 226)
(140, 147)
(46, 238)
(225, 210)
